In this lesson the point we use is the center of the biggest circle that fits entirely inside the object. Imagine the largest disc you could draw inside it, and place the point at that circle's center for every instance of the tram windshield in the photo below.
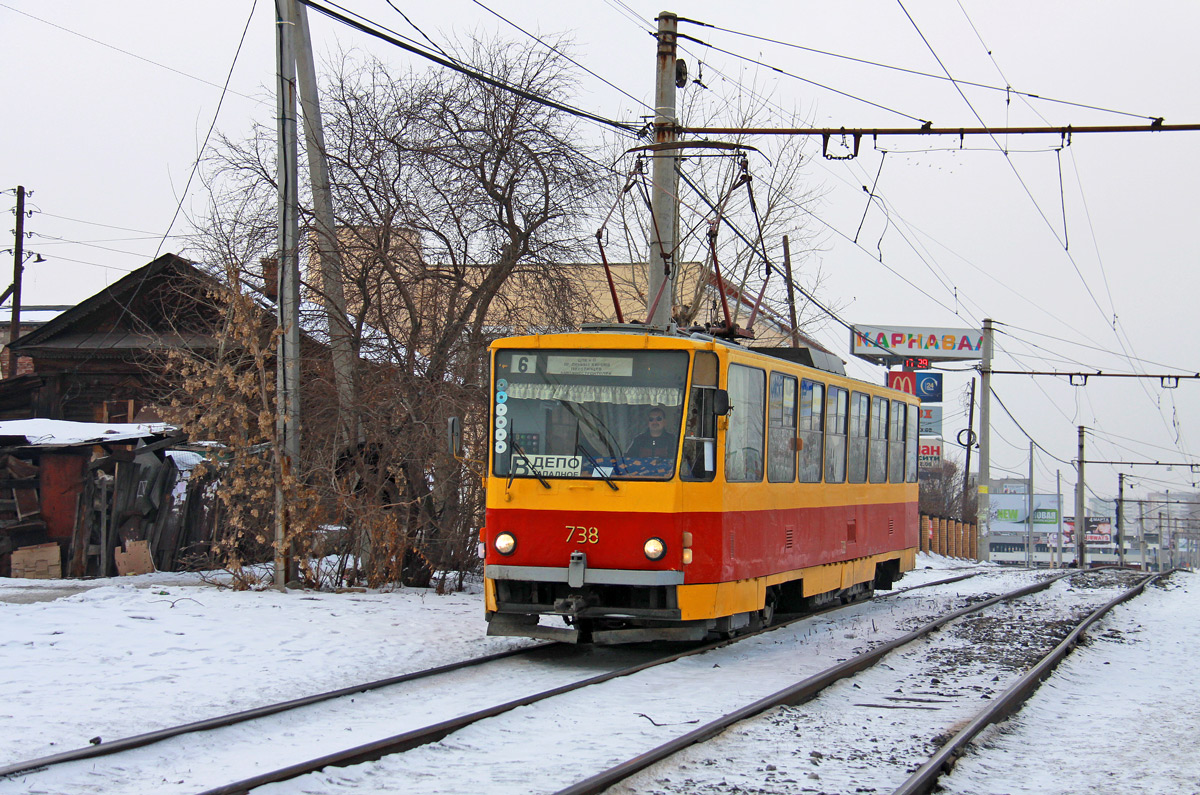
(587, 414)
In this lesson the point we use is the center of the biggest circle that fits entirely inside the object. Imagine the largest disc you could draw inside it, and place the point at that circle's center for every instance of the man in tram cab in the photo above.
(655, 441)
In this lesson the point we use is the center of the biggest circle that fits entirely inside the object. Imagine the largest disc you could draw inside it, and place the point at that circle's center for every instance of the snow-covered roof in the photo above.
(57, 433)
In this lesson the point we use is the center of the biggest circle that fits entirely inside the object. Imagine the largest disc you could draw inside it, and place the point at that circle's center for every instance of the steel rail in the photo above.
(1011, 700)
(220, 721)
(429, 734)
(149, 738)
(791, 695)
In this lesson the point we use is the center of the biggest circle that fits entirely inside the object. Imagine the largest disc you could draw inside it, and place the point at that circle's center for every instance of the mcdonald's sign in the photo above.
(904, 380)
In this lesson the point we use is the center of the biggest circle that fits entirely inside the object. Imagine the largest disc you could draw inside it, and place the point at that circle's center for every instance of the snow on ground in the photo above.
(1119, 715)
(134, 654)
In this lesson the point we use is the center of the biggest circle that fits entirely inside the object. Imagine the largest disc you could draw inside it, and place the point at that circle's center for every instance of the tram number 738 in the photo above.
(583, 535)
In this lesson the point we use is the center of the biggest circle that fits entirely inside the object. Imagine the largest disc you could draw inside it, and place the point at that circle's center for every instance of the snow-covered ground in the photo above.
(112, 658)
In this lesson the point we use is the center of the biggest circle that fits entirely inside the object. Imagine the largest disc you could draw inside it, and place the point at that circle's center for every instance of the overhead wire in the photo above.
(115, 48)
(557, 52)
(915, 72)
(375, 30)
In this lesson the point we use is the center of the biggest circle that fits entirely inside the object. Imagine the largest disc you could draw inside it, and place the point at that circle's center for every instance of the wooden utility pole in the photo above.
(14, 329)
(791, 290)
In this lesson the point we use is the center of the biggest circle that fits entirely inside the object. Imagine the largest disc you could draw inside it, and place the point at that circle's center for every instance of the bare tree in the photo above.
(447, 194)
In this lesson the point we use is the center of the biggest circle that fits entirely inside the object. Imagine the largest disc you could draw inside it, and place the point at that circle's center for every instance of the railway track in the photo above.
(159, 749)
(896, 727)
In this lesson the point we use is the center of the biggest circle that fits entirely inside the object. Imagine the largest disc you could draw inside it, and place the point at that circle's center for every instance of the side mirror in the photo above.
(721, 402)
(454, 436)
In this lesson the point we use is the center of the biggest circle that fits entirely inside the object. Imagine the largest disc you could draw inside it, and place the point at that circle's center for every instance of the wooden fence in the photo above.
(949, 537)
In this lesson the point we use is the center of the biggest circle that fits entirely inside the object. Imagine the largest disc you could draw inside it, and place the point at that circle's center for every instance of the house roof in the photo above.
(60, 433)
(64, 333)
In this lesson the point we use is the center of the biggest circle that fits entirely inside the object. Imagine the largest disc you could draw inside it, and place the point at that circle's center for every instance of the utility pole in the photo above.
(984, 550)
(287, 383)
(1142, 534)
(967, 454)
(1058, 490)
(1080, 523)
(1120, 511)
(791, 290)
(332, 289)
(14, 329)
(664, 210)
(1029, 514)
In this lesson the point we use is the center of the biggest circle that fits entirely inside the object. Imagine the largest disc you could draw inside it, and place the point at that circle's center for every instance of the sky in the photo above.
(1083, 254)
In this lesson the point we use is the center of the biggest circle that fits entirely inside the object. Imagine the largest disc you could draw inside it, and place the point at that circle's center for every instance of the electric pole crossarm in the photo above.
(1098, 374)
(860, 132)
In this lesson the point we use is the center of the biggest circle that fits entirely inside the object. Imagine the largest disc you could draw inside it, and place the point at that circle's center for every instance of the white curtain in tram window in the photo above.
(599, 393)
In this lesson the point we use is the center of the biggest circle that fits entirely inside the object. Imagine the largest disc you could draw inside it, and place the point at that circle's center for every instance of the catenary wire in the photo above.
(915, 72)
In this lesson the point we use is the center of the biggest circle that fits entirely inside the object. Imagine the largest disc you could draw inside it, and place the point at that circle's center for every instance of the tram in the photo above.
(660, 485)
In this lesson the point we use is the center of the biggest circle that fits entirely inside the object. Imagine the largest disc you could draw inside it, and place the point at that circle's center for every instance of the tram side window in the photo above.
(860, 410)
(879, 449)
(910, 444)
(744, 437)
(781, 430)
(812, 430)
(896, 443)
(699, 460)
(836, 409)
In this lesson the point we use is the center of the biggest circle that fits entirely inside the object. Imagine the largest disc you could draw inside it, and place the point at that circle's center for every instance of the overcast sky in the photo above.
(107, 106)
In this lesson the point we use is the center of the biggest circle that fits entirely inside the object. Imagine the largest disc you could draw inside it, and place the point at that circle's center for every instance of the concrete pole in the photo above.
(664, 206)
(14, 329)
(1080, 519)
(985, 443)
(332, 289)
(1120, 520)
(1029, 515)
(1058, 490)
(1142, 534)
(287, 384)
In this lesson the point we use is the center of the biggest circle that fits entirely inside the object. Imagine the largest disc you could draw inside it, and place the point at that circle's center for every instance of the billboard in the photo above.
(874, 343)
(929, 453)
(1099, 530)
(903, 380)
(931, 420)
(1007, 513)
(929, 387)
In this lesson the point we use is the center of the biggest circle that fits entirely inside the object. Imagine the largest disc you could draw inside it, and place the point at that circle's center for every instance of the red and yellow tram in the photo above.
(648, 486)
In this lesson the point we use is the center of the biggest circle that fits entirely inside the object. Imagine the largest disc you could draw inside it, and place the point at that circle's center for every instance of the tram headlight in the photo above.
(505, 543)
(655, 549)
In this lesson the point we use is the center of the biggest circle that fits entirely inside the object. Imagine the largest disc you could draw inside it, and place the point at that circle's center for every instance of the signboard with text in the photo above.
(929, 387)
(1008, 513)
(896, 343)
(929, 453)
(930, 420)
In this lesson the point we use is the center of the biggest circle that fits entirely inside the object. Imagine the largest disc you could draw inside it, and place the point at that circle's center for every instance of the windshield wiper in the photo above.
(517, 448)
(596, 467)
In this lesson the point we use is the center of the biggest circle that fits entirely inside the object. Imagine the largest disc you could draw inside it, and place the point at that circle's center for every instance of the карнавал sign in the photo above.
(885, 344)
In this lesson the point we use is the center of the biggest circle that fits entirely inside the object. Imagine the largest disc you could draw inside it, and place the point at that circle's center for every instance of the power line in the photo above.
(625, 127)
(914, 72)
(126, 52)
(786, 73)
(208, 135)
(96, 223)
(557, 52)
